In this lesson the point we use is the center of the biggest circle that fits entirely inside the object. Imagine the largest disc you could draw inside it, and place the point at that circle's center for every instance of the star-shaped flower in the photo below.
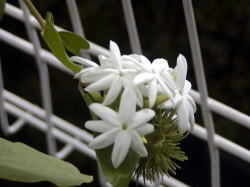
(151, 77)
(112, 75)
(124, 128)
(182, 101)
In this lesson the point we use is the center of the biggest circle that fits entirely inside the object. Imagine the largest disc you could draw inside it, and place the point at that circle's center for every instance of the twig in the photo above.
(35, 12)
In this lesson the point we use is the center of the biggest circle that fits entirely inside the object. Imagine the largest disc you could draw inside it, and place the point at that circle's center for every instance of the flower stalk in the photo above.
(35, 13)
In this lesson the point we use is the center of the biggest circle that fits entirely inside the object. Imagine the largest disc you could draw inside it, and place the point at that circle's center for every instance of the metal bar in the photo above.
(27, 47)
(41, 125)
(78, 28)
(224, 144)
(40, 113)
(201, 82)
(44, 78)
(131, 26)
(198, 131)
(76, 21)
(214, 105)
(64, 152)
(74, 17)
(224, 110)
(16, 126)
(18, 14)
(3, 115)
(78, 145)
(166, 181)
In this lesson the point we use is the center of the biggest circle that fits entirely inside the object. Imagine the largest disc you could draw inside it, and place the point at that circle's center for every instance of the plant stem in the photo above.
(35, 13)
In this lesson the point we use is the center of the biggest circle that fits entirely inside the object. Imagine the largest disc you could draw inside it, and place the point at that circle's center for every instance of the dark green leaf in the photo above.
(73, 42)
(21, 163)
(55, 43)
(2, 5)
(119, 177)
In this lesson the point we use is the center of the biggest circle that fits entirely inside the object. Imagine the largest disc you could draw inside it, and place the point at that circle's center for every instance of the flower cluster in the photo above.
(133, 89)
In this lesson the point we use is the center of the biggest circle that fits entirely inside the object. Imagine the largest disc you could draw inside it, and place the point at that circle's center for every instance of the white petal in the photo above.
(99, 85)
(98, 126)
(115, 54)
(143, 78)
(187, 87)
(104, 140)
(145, 129)
(183, 117)
(90, 75)
(168, 80)
(130, 62)
(137, 144)
(105, 113)
(145, 60)
(139, 97)
(142, 63)
(114, 91)
(181, 71)
(83, 71)
(159, 65)
(128, 71)
(142, 117)
(168, 105)
(127, 106)
(121, 148)
(152, 93)
(83, 61)
(104, 62)
(164, 87)
(191, 101)
(114, 48)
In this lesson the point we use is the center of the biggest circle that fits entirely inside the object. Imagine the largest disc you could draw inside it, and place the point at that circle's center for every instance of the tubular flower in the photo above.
(124, 129)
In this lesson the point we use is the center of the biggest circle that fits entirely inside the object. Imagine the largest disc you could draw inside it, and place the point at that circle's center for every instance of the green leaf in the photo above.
(55, 43)
(118, 177)
(21, 163)
(2, 5)
(73, 42)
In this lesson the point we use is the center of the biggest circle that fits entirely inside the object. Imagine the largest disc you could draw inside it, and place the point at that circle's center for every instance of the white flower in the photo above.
(151, 77)
(123, 128)
(110, 75)
(182, 101)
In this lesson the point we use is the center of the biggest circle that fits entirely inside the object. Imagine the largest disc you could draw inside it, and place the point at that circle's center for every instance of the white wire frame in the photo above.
(76, 138)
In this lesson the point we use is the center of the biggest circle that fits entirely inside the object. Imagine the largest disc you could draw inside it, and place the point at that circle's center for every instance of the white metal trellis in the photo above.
(76, 138)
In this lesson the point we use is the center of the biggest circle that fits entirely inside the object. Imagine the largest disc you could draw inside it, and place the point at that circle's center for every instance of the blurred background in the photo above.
(224, 31)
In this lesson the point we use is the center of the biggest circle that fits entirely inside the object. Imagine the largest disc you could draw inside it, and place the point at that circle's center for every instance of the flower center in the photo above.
(124, 127)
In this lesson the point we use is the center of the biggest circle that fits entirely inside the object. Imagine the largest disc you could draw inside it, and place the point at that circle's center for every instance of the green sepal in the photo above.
(21, 163)
(56, 45)
(2, 5)
(163, 146)
(73, 42)
(121, 176)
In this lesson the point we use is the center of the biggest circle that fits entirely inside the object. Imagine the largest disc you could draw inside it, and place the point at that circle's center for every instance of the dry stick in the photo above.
(35, 12)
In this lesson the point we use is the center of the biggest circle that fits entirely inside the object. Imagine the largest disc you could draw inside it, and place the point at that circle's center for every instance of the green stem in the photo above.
(35, 12)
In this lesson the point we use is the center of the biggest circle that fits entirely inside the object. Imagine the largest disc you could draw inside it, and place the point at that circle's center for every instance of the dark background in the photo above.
(224, 30)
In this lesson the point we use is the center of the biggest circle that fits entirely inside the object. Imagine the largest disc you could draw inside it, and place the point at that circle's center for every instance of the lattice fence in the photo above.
(76, 138)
